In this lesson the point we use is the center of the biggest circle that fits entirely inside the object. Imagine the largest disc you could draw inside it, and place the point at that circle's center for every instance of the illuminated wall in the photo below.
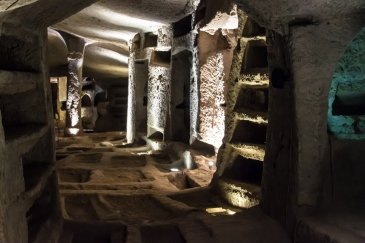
(73, 103)
(346, 102)
(212, 113)
(216, 43)
(159, 80)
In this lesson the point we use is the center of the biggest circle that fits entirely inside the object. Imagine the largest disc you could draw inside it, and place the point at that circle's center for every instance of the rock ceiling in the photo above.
(107, 26)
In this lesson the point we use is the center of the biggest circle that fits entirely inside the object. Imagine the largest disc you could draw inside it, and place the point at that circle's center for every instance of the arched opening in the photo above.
(346, 102)
(88, 113)
(99, 98)
(346, 124)
(86, 101)
(156, 136)
(255, 57)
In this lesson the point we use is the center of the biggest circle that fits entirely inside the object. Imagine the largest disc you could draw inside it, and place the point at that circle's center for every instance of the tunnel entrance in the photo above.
(346, 113)
(133, 91)
(109, 183)
(346, 122)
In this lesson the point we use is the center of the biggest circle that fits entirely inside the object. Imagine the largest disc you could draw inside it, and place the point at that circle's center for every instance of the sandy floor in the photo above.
(113, 192)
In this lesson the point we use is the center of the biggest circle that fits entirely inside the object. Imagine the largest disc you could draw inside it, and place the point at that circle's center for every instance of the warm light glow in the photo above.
(115, 18)
(74, 119)
(144, 153)
(54, 80)
(222, 21)
(211, 165)
(75, 62)
(174, 170)
(220, 210)
(239, 196)
(230, 212)
(212, 116)
(73, 131)
(123, 70)
(110, 54)
(115, 35)
(188, 160)
(215, 210)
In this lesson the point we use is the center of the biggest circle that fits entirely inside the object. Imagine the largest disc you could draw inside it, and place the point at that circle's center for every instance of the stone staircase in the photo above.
(243, 152)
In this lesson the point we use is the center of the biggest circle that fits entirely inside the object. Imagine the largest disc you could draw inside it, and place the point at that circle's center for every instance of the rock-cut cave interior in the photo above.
(182, 121)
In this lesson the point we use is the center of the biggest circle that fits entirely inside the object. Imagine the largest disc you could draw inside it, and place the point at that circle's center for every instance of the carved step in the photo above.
(246, 131)
(247, 150)
(238, 193)
(258, 81)
(245, 114)
(254, 99)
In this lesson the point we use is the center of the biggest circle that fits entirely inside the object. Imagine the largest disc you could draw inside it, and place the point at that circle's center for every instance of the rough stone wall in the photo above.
(316, 33)
(312, 83)
(27, 165)
(62, 96)
(182, 43)
(183, 80)
(235, 74)
(158, 97)
(240, 159)
(347, 129)
(278, 15)
(277, 191)
(212, 114)
(131, 113)
(214, 45)
(159, 81)
(348, 86)
(194, 95)
(20, 66)
(164, 40)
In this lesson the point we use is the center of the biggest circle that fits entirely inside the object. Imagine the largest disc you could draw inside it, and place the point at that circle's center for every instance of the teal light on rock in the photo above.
(346, 106)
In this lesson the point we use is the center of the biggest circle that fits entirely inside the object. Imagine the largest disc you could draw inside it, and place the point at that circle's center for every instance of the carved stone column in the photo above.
(75, 60)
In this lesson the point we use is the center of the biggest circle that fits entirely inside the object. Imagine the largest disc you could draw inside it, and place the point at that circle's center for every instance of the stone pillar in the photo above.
(75, 60)
(159, 81)
(131, 110)
(212, 60)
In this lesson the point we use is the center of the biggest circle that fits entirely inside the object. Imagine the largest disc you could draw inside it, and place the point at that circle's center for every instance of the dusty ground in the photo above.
(113, 192)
